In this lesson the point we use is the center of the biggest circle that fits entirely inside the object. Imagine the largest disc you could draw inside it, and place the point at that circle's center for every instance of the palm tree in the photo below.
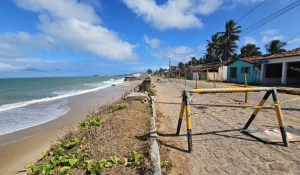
(213, 48)
(275, 46)
(230, 36)
(250, 50)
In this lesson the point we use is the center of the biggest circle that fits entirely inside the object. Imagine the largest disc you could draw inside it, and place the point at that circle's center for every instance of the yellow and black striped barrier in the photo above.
(185, 105)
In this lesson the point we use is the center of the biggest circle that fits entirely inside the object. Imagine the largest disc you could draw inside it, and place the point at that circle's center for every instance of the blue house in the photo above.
(237, 69)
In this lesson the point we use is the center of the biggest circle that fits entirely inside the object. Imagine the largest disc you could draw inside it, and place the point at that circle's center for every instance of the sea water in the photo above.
(26, 102)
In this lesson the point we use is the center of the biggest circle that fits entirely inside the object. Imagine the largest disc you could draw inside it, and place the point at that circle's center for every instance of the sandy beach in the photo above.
(22, 147)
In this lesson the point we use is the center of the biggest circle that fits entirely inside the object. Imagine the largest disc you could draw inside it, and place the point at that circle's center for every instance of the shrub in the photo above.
(151, 91)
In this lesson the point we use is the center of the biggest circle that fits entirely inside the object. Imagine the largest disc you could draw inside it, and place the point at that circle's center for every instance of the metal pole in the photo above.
(257, 109)
(280, 119)
(188, 122)
(183, 104)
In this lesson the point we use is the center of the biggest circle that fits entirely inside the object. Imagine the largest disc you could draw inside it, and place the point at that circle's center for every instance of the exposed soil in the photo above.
(170, 148)
(121, 132)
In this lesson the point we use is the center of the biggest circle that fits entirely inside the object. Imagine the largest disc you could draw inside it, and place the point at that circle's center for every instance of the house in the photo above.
(283, 68)
(241, 66)
(213, 71)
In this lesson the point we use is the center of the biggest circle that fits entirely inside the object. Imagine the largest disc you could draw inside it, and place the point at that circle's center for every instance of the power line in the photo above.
(293, 38)
(251, 11)
(270, 18)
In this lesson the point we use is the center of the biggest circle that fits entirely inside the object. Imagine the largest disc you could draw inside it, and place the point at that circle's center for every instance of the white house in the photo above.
(283, 68)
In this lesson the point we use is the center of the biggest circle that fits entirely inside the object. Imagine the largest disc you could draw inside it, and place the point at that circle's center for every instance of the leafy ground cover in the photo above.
(112, 141)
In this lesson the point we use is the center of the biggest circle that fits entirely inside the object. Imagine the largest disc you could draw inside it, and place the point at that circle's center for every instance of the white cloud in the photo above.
(180, 14)
(5, 67)
(267, 39)
(249, 40)
(270, 32)
(172, 14)
(76, 25)
(269, 35)
(61, 9)
(205, 7)
(153, 42)
(182, 50)
(14, 44)
(178, 53)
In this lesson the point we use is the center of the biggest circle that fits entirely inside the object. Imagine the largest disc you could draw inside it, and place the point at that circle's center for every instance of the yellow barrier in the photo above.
(270, 90)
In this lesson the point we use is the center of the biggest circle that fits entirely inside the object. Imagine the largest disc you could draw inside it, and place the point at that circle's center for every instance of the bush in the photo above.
(151, 91)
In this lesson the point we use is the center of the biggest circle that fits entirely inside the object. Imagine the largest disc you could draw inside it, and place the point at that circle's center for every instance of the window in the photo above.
(273, 70)
(233, 72)
(245, 70)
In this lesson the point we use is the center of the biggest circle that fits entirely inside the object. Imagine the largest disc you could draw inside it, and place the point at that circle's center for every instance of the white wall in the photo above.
(220, 76)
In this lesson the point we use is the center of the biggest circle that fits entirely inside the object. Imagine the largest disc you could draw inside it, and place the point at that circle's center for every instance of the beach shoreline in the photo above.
(22, 147)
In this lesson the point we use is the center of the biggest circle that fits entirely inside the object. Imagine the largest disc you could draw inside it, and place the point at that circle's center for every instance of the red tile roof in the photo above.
(250, 59)
(294, 52)
(212, 66)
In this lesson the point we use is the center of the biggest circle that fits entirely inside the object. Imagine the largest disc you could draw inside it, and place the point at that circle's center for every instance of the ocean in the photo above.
(26, 102)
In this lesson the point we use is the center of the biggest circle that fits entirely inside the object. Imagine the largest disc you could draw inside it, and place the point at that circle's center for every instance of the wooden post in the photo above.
(245, 81)
(184, 77)
(196, 80)
(214, 79)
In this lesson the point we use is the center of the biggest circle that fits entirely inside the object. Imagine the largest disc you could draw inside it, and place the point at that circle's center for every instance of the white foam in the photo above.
(60, 95)
(21, 118)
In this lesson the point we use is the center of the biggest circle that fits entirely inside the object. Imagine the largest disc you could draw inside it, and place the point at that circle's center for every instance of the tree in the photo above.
(201, 61)
(194, 61)
(161, 71)
(250, 50)
(275, 47)
(173, 68)
(180, 66)
(229, 37)
(213, 48)
(149, 71)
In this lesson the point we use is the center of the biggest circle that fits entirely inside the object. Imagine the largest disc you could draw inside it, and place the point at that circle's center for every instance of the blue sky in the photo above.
(85, 37)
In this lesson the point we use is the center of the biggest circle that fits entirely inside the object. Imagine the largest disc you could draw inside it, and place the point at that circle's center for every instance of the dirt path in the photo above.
(218, 145)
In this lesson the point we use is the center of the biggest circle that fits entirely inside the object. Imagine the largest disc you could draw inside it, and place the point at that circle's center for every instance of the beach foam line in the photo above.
(22, 118)
(67, 94)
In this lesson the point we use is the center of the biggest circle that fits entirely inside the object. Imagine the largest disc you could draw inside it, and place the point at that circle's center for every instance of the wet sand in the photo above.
(22, 147)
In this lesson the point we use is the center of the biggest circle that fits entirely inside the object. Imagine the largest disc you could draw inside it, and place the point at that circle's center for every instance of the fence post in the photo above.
(196, 80)
(214, 80)
(245, 81)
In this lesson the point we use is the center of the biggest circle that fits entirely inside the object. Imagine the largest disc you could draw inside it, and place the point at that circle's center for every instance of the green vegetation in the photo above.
(90, 122)
(63, 163)
(114, 109)
(151, 91)
(164, 164)
(71, 153)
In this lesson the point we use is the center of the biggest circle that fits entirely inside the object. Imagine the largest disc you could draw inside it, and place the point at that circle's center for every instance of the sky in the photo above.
(43, 38)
